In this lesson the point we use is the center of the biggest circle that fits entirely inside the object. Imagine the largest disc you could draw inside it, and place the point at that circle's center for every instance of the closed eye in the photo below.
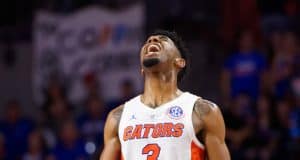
(164, 38)
(161, 38)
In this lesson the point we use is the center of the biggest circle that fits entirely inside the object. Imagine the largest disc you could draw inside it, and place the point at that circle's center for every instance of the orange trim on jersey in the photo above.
(197, 153)
(122, 157)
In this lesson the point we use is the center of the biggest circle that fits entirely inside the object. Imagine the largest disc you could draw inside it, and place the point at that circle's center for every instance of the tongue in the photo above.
(153, 49)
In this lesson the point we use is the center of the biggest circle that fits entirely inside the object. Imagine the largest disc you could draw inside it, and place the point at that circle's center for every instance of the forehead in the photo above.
(161, 37)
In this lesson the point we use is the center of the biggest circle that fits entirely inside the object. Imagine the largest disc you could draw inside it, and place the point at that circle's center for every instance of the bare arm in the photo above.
(210, 117)
(112, 146)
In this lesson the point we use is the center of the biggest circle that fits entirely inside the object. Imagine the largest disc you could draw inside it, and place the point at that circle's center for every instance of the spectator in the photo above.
(57, 113)
(91, 122)
(295, 113)
(243, 70)
(15, 129)
(52, 120)
(36, 147)
(127, 91)
(239, 123)
(273, 44)
(282, 125)
(282, 67)
(54, 92)
(295, 128)
(91, 85)
(265, 138)
(69, 146)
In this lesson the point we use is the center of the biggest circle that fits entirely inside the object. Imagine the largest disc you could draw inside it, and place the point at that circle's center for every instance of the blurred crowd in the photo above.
(261, 96)
(61, 130)
(260, 81)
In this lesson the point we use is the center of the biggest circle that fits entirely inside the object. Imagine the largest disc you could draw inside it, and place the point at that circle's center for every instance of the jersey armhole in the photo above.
(125, 108)
(195, 140)
(121, 122)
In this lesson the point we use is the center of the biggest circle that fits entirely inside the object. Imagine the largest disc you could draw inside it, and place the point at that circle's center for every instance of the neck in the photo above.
(160, 88)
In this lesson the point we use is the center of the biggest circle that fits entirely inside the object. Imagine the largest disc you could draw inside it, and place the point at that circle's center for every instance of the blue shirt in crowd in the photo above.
(245, 71)
(76, 152)
(91, 129)
(16, 135)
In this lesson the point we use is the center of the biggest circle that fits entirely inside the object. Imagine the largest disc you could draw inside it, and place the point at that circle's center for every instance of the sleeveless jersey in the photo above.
(163, 133)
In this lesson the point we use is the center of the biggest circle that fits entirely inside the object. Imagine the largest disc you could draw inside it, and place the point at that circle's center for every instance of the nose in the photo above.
(153, 39)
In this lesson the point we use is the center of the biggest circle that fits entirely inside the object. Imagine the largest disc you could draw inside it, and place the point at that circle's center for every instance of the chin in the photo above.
(151, 62)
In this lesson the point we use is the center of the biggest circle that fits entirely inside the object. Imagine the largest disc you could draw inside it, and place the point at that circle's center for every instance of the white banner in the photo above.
(91, 40)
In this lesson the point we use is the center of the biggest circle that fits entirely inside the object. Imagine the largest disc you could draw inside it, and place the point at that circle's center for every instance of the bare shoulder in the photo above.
(111, 139)
(208, 113)
(116, 113)
(204, 107)
(210, 116)
(113, 121)
(213, 128)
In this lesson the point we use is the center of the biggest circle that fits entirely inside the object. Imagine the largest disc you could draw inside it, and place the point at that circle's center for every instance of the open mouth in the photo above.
(153, 48)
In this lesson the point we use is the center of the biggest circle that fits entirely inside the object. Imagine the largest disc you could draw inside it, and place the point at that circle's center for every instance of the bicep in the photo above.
(215, 136)
(112, 150)
(216, 148)
(112, 146)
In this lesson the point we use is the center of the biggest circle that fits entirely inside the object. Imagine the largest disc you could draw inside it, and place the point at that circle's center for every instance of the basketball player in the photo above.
(164, 123)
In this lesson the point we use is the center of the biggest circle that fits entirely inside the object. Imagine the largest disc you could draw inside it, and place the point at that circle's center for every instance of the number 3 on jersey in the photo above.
(154, 148)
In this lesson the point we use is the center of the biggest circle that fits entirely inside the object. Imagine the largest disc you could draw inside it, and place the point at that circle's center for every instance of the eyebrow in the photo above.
(163, 37)
(160, 37)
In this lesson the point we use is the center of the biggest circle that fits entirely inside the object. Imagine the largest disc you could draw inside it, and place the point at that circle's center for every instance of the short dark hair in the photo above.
(179, 45)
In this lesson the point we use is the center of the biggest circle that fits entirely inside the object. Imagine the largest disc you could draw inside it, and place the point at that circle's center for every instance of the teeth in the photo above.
(152, 48)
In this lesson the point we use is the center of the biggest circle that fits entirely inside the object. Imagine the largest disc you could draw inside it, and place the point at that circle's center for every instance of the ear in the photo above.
(142, 72)
(180, 62)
